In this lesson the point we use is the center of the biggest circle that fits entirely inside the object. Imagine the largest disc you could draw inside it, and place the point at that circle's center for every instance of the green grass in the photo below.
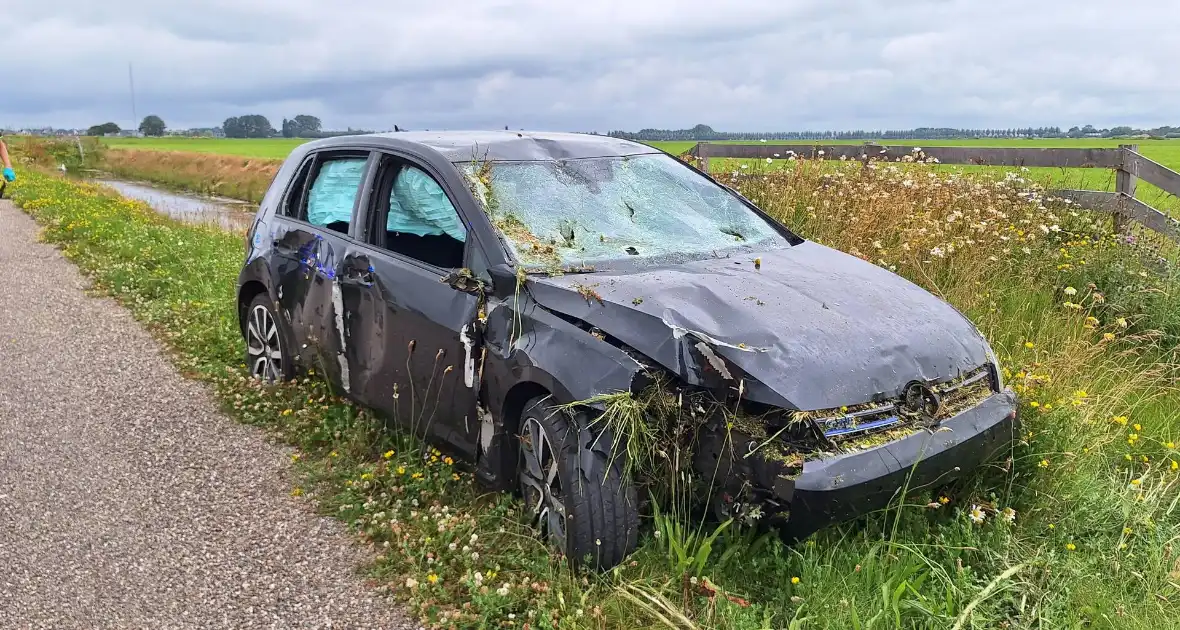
(1093, 543)
(1166, 152)
(262, 147)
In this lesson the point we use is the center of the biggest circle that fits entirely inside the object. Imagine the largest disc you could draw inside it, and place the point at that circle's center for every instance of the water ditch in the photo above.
(229, 214)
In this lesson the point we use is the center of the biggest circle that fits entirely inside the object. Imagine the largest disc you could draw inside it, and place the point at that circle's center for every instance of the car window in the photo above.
(419, 219)
(570, 212)
(333, 193)
(292, 203)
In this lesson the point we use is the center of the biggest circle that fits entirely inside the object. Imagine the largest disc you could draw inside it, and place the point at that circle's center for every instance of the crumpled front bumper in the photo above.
(839, 488)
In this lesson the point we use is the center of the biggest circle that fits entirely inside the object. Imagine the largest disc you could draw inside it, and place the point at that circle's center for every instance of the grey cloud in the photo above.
(754, 65)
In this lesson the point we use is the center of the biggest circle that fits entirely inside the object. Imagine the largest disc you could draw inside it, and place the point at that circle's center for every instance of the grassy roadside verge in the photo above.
(1090, 542)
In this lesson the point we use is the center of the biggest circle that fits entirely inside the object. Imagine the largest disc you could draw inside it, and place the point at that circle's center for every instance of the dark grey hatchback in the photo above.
(467, 284)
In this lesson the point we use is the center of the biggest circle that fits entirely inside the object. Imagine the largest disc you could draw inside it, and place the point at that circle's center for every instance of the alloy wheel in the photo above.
(264, 347)
(541, 484)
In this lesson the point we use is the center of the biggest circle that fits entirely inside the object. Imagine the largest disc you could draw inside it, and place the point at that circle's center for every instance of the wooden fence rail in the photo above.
(1126, 161)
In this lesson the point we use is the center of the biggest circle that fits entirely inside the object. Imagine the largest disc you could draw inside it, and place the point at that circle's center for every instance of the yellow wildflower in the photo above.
(1175, 465)
(1070, 546)
(432, 578)
(388, 454)
(1137, 427)
(794, 580)
(448, 461)
(1120, 420)
(1108, 336)
(401, 470)
(1170, 445)
(1029, 344)
(1044, 463)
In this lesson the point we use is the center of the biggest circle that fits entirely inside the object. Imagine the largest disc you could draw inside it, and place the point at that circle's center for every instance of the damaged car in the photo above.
(552, 307)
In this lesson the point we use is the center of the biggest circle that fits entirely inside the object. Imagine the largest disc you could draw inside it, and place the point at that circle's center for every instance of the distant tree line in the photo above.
(103, 129)
(705, 132)
(301, 126)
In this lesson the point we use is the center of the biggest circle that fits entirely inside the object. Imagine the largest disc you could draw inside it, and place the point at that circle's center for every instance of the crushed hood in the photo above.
(813, 328)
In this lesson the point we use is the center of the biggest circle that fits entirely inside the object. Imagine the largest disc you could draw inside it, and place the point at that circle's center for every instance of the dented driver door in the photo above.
(409, 348)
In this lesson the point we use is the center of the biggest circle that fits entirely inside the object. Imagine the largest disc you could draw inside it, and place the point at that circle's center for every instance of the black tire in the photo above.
(600, 511)
(259, 315)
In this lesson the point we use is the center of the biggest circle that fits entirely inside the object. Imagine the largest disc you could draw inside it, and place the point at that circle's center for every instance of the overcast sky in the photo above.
(748, 65)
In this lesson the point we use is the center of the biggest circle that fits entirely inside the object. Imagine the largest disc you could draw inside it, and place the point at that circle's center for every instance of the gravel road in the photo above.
(127, 500)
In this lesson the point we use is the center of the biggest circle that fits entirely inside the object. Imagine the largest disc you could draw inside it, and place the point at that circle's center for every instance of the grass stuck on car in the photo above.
(577, 315)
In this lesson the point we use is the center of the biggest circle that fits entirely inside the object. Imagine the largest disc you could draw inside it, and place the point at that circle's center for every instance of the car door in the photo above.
(410, 348)
(312, 233)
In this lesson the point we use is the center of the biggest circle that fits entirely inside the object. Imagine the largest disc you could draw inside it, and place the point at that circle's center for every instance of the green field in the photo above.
(262, 148)
(1166, 152)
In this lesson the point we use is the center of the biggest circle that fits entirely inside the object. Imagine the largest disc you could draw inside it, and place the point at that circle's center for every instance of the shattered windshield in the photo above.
(578, 212)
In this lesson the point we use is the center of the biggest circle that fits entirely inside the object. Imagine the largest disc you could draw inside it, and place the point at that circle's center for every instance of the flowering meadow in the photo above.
(1077, 527)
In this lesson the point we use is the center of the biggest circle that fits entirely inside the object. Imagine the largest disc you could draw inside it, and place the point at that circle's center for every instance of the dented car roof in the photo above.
(501, 146)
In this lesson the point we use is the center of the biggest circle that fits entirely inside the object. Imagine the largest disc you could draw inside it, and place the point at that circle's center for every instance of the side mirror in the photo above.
(465, 281)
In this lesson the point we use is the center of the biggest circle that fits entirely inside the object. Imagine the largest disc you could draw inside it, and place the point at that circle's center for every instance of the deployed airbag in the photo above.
(332, 195)
(418, 205)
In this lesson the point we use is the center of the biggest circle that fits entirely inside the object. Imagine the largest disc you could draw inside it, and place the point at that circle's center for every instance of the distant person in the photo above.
(9, 174)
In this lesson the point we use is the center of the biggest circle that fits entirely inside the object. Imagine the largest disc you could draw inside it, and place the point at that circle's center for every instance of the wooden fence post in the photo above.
(1126, 180)
(703, 155)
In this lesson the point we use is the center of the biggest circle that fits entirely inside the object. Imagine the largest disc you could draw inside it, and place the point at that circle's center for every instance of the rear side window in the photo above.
(333, 193)
(292, 204)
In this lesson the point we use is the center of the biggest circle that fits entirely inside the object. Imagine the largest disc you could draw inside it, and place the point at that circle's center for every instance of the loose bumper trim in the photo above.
(839, 488)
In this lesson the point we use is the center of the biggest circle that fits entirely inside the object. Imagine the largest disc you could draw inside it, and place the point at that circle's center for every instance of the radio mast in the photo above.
(131, 83)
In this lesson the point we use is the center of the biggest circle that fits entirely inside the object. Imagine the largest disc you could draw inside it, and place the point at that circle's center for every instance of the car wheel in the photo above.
(266, 354)
(574, 486)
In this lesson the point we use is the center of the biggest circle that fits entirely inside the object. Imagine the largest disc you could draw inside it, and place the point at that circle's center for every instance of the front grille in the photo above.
(956, 396)
(966, 391)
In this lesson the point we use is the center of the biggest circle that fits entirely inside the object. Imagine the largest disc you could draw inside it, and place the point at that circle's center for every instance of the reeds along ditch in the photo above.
(223, 175)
